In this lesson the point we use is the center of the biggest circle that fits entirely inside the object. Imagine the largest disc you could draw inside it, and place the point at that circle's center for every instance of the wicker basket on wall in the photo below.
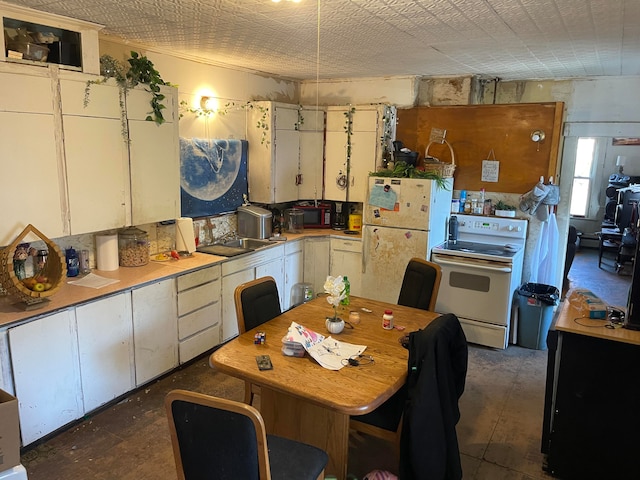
(55, 269)
(432, 164)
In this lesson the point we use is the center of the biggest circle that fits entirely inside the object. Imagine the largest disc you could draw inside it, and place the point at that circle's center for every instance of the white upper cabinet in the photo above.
(354, 143)
(32, 185)
(311, 153)
(274, 152)
(96, 156)
(154, 158)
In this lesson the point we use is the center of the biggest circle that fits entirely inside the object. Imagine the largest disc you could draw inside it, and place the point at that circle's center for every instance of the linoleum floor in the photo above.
(498, 433)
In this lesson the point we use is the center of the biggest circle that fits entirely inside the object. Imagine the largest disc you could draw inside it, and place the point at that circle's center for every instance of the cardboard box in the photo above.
(9, 431)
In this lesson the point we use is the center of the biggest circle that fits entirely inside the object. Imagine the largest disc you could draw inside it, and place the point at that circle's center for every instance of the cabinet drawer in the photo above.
(293, 247)
(198, 297)
(346, 245)
(198, 320)
(199, 343)
(198, 277)
(252, 260)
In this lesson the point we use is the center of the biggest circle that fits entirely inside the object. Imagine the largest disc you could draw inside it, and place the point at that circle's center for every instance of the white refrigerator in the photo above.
(402, 218)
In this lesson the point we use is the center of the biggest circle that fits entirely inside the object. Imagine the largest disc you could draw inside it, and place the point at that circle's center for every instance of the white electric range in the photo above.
(480, 273)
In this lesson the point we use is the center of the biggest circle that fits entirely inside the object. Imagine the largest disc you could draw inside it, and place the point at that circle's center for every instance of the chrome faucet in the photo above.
(232, 235)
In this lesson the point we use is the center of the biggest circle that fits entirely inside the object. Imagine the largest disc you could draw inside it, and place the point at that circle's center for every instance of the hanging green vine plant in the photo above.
(139, 71)
(262, 123)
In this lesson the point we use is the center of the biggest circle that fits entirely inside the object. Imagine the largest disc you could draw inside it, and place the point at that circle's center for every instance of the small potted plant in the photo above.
(335, 289)
(505, 210)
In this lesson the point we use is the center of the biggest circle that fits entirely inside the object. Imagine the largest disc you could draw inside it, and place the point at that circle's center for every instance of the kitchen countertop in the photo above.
(11, 311)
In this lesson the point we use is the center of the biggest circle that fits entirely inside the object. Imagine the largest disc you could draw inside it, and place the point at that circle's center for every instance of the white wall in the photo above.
(195, 79)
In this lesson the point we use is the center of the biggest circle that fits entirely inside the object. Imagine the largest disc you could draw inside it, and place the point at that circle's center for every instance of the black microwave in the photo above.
(316, 216)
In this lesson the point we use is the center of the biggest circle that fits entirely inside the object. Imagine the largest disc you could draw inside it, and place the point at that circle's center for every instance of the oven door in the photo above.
(479, 293)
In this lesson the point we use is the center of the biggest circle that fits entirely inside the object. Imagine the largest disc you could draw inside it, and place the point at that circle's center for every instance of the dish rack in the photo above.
(432, 164)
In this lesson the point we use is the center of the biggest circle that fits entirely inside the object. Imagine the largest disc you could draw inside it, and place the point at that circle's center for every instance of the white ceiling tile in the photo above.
(510, 39)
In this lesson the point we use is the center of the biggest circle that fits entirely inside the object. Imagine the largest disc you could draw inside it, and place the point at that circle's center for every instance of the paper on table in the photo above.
(93, 281)
(333, 354)
(329, 353)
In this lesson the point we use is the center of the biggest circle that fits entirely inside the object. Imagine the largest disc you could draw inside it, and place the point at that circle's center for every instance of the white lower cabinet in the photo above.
(346, 260)
(316, 262)
(198, 312)
(105, 347)
(155, 331)
(293, 270)
(46, 374)
(244, 269)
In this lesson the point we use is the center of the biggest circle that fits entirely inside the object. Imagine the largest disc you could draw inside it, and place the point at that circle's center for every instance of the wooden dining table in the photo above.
(301, 400)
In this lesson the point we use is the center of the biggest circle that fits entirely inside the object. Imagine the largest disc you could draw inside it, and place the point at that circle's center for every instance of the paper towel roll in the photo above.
(185, 237)
(107, 252)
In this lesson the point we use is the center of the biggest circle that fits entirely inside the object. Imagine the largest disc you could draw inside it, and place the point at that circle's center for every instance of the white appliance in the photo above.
(480, 274)
(402, 218)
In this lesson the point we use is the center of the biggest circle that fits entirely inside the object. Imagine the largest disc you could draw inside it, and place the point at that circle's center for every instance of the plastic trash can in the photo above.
(535, 305)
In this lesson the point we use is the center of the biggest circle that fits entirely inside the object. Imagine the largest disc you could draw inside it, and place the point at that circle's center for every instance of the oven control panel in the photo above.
(492, 226)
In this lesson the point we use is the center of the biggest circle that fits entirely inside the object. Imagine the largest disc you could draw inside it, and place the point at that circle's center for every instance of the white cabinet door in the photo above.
(155, 329)
(105, 344)
(44, 358)
(346, 260)
(311, 153)
(274, 269)
(364, 147)
(154, 156)
(229, 284)
(274, 152)
(293, 270)
(32, 185)
(335, 166)
(316, 262)
(366, 131)
(96, 157)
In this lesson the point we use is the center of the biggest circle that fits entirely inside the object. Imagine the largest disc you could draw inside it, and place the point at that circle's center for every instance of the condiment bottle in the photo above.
(387, 320)
(73, 263)
(347, 290)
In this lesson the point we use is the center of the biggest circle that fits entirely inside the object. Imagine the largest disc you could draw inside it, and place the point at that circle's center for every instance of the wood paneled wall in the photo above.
(474, 130)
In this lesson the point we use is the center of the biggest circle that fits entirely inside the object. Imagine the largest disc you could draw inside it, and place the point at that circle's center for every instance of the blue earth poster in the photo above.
(213, 176)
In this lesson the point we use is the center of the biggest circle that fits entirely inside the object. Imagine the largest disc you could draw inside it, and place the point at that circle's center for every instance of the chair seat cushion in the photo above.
(291, 460)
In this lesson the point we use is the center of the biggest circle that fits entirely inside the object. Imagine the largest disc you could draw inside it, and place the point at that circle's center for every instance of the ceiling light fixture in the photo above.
(294, 1)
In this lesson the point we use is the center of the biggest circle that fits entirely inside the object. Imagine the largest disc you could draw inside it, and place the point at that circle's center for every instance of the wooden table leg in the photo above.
(294, 418)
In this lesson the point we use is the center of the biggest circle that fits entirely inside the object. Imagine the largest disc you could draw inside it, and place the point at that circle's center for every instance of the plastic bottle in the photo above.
(453, 229)
(387, 320)
(73, 263)
(347, 290)
(463, 200)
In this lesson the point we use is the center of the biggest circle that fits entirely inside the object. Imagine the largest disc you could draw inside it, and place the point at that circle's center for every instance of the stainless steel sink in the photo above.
(248, 243)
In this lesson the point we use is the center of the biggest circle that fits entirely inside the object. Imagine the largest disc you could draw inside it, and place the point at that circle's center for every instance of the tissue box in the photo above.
(9, 431)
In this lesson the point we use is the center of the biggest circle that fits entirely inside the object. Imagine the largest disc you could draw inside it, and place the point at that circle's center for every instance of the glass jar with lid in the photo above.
(133, 247)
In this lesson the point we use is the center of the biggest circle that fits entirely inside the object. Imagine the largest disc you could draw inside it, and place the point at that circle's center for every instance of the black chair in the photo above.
(437, 370)
(216, 438)
(256, 302)
(419, 289)
(420, 284)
